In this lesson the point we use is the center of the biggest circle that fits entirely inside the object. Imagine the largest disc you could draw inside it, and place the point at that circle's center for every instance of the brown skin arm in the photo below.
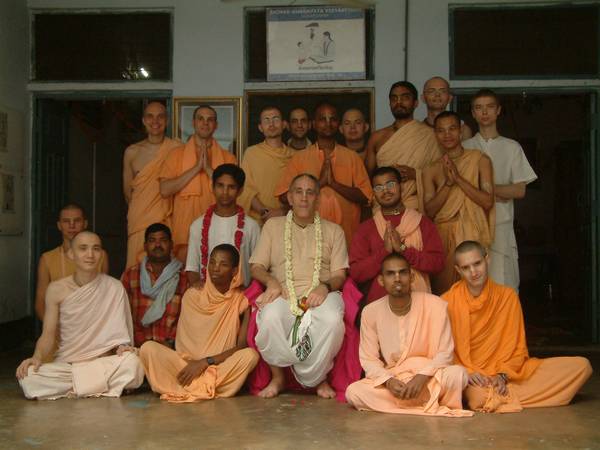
(43, 280)
(483, 195)
(128, 174)
(436, 190)
(192, 277)
(506, 192)
(353, 194)
(104, 268)
(171, 186)
(370, 153)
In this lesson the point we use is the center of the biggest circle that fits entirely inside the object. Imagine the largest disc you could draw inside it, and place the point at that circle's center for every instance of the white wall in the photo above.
(14, 250)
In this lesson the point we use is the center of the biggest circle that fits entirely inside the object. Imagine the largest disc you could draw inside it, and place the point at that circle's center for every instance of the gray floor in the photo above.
(142, 421)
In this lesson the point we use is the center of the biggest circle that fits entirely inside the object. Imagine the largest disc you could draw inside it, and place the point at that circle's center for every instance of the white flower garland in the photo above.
(289, 270)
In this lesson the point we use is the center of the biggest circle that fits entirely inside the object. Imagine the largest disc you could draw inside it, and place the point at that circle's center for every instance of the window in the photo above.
(102, 46)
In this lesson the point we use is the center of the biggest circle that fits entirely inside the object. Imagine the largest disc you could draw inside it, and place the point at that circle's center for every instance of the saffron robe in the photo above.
(489, 336)
(147, 206)
(413, 145)
(401, 347)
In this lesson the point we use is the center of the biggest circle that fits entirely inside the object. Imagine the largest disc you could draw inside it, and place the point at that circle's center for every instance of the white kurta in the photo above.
(222, 231)
(510, 167)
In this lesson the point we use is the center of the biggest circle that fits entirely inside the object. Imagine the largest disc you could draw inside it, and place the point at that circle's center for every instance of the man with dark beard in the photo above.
(408, 144)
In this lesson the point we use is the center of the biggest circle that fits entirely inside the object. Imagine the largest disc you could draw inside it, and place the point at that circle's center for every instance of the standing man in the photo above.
(142, 163)
(225, 222)
(354, 128)
(301, 259)
(344, 182)
(155, 287)
(512, 173)
(407, 144)
(56, 264)
(258, 197)
(459, 196)
(436, 95)
(394, 228)
(299, 127)
(186, 176)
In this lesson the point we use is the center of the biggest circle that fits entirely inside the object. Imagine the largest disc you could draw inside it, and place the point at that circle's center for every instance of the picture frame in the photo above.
(288, 99)
(229, 120)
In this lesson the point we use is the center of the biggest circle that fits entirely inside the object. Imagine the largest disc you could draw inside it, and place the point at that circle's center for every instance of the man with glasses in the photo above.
(394, 228)
(264, 164)
(436, 95)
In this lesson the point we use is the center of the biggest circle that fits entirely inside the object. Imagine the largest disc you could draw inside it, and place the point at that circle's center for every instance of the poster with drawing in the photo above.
(315, 43)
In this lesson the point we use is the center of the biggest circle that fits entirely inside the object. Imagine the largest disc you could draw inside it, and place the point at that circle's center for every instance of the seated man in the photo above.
(302, 261)
(55, 264)
(406, 350)
(225, 222)
(394, 228)
(211, 358)
(155, 287)
(91, 313)
(489, 333)
(459, 196)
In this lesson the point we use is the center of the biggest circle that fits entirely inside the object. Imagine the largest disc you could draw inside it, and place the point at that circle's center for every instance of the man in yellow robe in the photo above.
(264, 164)
(56, 264)
(186, 176)
(459, 196)
(407, 144)
(211, 358)
(89, 311)
(142, 163)
(489, 336)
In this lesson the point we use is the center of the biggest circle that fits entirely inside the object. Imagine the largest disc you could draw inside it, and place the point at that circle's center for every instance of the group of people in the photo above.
(261, 272)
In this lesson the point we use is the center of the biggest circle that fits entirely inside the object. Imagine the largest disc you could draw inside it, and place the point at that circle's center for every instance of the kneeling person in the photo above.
(302, 261)
(90, 311)
(489, 332)
(211, 358)
(406, 350)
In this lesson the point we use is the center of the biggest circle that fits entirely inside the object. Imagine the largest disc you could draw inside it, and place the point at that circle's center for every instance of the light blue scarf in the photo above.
(163, 290)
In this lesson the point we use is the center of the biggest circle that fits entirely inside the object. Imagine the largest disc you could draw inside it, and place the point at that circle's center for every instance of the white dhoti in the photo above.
(326, 330)
(504, 264)
(106, 376)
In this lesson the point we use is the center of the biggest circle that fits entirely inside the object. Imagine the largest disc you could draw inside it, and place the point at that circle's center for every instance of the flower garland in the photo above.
(295, 306)
(237, 238)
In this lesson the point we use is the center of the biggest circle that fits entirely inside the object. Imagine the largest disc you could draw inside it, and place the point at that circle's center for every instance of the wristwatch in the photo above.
(402, 247)
(211, 361)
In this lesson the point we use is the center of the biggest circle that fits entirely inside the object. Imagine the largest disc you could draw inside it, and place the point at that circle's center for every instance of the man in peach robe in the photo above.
(264, 164)
(186, 176)
(90, 313)
(142, 164)
(406, 350)
(56, 264)
(459, 196)
(489, 335)
(345, 185)
(211, 358)
(408, 145)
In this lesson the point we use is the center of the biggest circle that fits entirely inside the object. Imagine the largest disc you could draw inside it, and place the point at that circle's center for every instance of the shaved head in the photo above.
(86, 236)
(469, 246)
(71, 207)
(86, 252)
(436, 80)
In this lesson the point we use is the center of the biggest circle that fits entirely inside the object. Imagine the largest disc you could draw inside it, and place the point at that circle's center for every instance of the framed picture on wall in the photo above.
(289, 99)
(316, 43)
(229, 120)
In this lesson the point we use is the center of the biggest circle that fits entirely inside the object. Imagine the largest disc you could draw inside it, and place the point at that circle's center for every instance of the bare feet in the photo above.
(273, 389)
(325, 391)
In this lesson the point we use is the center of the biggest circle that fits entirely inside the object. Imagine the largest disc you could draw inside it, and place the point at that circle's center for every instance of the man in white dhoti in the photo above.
(512, 173)
(90, 311)
(302, 261)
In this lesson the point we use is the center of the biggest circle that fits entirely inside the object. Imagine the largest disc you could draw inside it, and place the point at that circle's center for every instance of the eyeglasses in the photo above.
(390, 185)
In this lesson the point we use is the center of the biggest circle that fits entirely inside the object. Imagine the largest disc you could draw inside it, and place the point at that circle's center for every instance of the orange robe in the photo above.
(413, 145)
(263, 166)
(59, 265)
(147, 206)
(208, 325)
(195, 198)
(461, 219)
(401, 347)
(489, 337)
(348, 169)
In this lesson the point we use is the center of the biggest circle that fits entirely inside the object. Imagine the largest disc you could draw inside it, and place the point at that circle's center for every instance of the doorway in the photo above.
(553, 223)
(78, 157)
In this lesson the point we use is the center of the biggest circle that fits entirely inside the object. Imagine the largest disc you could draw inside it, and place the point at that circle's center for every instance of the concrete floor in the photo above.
(142, 421)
